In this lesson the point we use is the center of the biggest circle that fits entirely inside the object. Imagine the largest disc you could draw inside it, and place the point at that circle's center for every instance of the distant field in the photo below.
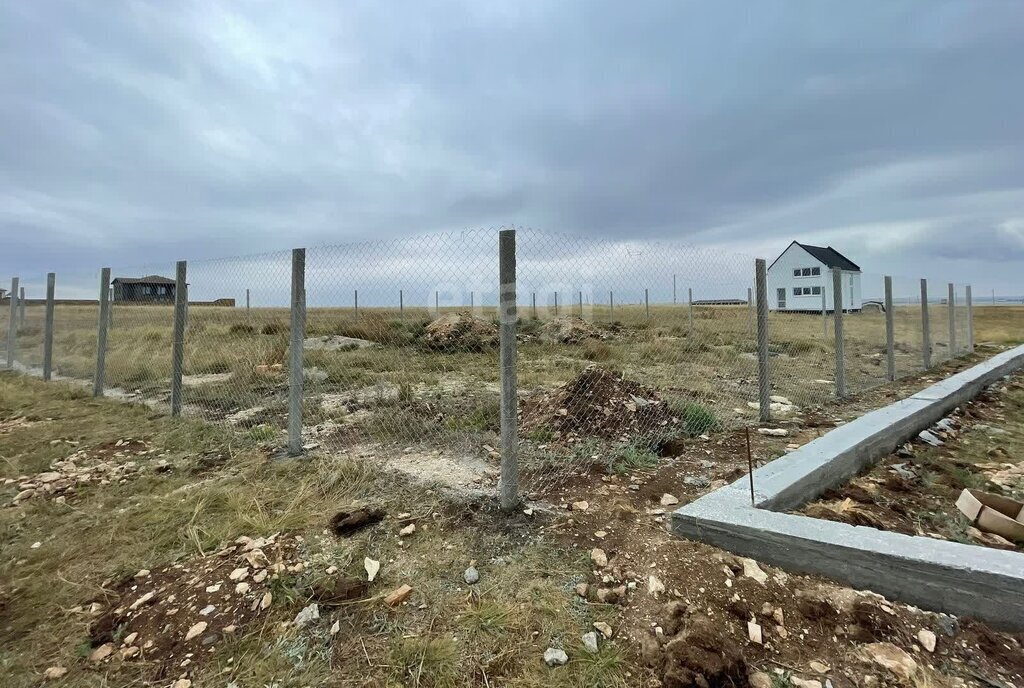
(402, 391)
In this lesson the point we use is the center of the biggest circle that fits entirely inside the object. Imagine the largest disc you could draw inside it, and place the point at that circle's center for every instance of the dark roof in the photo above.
(827, 255)
(149, 279)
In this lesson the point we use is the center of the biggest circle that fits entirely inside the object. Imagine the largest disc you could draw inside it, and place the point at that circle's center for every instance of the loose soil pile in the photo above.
(914, 491)
(598, 403)
(460, 332)
(571, 329)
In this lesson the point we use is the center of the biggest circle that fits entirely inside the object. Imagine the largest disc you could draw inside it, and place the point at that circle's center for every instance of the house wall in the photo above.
(134, 292)
(780, 275)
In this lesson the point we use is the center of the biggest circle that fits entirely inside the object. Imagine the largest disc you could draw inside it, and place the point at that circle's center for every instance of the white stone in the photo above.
(554, 657)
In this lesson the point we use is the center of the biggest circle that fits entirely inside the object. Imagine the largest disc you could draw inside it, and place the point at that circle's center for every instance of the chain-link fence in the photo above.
(626, 349)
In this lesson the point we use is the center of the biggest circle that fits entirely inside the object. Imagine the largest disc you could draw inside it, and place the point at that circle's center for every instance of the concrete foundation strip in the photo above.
(942, 576)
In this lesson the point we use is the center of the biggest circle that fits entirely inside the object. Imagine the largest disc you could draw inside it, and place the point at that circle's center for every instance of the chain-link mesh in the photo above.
(625, 348)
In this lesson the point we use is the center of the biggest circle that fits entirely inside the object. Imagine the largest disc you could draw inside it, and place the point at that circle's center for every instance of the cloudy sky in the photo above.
(134, 132)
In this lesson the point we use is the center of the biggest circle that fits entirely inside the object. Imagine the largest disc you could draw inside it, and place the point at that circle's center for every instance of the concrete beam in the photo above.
(933, 574)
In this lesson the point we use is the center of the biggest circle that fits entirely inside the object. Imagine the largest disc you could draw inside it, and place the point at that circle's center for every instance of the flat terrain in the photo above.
(914, 491)
(153, 551)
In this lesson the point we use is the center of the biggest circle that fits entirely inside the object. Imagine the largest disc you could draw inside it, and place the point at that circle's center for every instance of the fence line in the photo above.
(542, 393)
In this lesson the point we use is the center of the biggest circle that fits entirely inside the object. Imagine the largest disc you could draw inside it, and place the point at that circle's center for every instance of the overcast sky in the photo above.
(135, 132)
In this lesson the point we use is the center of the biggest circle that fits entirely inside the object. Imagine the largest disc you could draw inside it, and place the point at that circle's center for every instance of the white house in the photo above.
(802, 275)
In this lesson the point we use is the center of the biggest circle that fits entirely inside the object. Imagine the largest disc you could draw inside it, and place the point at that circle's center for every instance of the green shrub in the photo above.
(697, 418)
(274, 328)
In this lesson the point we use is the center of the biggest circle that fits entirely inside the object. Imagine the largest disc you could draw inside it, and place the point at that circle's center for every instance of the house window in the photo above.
(805, 272)
(815, 271)
(816, 291)
(796, 272)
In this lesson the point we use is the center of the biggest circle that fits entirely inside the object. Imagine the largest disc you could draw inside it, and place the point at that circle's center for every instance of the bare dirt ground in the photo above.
(588, 554)
(914, 491)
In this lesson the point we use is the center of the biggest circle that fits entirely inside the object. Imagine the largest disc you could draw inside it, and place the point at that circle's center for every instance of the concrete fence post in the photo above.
(647, 304)
(750, 311)
(51, 286)
(673, 289)
(21, 307)
(970, 320)
(926, 333)
(533, 308)
(12, 324)
(837, 319)
(437, 307)
(581, 304)
(178, 341)
(951, 310)
(890, 332)
(611, 304)
(99, 374)
(556, 304)
(824, 312)
(509, 495)
(297, 342)
(763, 372)
(247, 302)
(355, 293)
(689, 300)
(401, 303)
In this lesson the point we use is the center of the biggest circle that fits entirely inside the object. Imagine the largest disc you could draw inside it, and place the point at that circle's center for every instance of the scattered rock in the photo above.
(928, 437)
(398, 596)
(335, 343)
(892, 658)
(182, 683)
(307, 615)
(927, 639)
(798, 682)
(590, 642)
(759, 679)
(408, 530)
(580, 506)
(752, 570)
(101, 652)
(554, 657)
(655, 586)
(754, 632)
(372, 567)
(773, 432)
(819, 667)
(599, 558)
(669, 499)
(54, 673)
(197, 629)
(604, 629)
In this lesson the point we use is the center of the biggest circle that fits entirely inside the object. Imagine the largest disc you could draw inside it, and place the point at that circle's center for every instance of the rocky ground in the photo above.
(191, 571)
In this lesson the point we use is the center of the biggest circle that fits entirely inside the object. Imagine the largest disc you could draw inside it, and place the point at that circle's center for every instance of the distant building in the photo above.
(802, 275)
(152, 288)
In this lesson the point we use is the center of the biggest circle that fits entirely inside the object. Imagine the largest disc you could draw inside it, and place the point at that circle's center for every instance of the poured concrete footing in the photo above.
(933, 574)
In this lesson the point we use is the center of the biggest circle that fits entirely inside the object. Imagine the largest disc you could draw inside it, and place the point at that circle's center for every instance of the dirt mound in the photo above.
(598, 403)
(460, 332)
(571, 329)
(702, 655)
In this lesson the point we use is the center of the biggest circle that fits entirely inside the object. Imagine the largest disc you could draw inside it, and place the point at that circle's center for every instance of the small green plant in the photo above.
(595, 350)
(262, 433)
(541, 435)
(632, 456)
(697, 418)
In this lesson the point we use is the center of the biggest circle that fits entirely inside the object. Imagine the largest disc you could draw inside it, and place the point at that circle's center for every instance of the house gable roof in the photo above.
(826, 255)
(150, 279)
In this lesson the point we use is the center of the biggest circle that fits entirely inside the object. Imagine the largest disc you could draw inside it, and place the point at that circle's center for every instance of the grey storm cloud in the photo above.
(138, 132)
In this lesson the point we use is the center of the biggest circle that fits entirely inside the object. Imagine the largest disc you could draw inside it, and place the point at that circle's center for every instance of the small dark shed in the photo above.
(152, 288)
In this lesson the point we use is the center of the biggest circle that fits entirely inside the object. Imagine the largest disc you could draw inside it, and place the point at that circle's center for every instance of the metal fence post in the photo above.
(763, 379)
(101, 334)
(246, 302)
(581, 304)
(952, 320)
(926, 334)
(611, 304)
(178, 342)
(689, 298)
(51, 285)
(837, 319)
(12, 324)
(437, 306)
(970, 320)
(556, 304)
(647, 304)
(298, 338)
(673, 289)
(355, 295)
(21, 307)
(509, 497)
(534, 304)
(401, 303)
(890, 333)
